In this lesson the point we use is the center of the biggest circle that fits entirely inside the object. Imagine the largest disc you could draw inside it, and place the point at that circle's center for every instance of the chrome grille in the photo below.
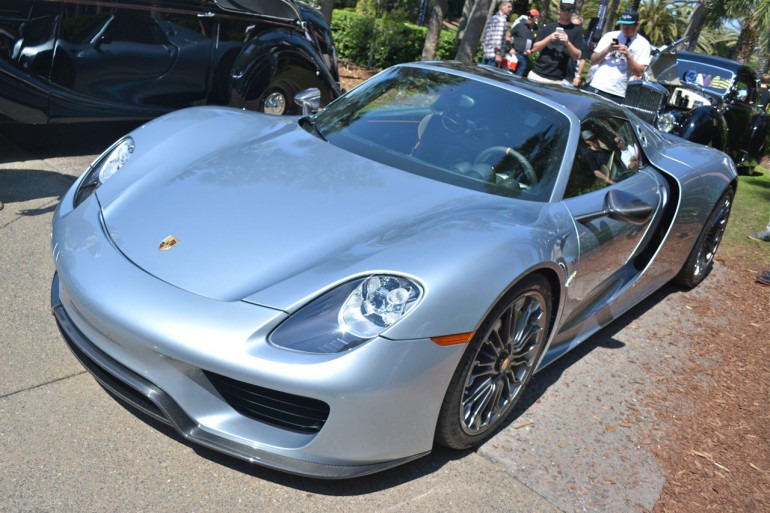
(286, 411)
(645, 99)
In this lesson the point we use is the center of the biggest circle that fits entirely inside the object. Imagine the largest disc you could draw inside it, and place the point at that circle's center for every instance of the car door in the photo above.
(741, 113)
(613, 199)
(112, 61)
(122, 54)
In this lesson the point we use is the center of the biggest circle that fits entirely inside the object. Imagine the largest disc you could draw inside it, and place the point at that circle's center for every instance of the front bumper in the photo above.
(155, 345)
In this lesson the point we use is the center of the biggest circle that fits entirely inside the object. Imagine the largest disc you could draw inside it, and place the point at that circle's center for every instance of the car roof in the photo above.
(584, 105)
(719, 62)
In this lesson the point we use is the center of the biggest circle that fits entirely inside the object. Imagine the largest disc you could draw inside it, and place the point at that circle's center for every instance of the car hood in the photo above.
(253, 202)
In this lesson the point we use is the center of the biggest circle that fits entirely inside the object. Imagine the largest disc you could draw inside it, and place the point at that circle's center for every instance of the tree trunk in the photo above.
(545, 8)
(747, 40)
(327, 6)
(697, 21)
(612, 15)
(434, 29)
(520, 7)
(473, 30)
(467, 9)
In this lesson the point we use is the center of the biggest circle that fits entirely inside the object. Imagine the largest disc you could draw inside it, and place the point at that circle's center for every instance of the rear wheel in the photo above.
(701, 258)
(278, 99)
(496, 366)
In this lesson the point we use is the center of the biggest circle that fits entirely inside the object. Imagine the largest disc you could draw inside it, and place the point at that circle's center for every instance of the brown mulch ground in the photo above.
(716, 455)
(351, 74)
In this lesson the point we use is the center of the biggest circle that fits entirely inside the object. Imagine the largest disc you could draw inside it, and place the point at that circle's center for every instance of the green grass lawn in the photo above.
(751, 213)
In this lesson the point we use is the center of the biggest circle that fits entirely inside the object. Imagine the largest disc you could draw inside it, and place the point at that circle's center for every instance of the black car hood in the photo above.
(281, 9)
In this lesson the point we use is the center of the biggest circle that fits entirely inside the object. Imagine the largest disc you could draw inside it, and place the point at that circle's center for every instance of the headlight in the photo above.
(666, 122)
(349, 315)
(104, 167)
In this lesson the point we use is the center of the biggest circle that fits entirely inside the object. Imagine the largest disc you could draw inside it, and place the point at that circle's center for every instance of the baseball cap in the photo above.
(587, 134)
(567, 2)
(533, 12)
(629, 17)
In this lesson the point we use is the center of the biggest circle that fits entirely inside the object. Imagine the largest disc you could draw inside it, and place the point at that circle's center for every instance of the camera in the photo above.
(615, 41)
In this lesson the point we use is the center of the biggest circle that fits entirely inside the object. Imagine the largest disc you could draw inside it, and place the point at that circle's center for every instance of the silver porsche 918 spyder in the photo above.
(330, 294)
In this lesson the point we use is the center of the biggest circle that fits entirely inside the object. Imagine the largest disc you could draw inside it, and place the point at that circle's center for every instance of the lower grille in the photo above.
(286, 411)
(645, 99)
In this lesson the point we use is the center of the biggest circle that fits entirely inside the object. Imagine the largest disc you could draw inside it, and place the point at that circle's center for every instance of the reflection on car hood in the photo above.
(252, 212)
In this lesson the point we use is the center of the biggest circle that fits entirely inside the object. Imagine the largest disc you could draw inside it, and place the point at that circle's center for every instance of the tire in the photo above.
(701, 258)
(496, 366)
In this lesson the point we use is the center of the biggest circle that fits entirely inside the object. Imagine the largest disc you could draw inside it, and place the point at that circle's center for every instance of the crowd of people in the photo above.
(619, 56)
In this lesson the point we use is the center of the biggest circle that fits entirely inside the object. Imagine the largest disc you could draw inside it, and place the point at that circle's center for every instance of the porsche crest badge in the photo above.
(168, 243)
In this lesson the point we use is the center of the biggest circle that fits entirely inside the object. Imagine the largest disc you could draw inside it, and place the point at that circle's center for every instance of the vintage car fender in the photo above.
(759, 141)
(279, 60)
(703, 125)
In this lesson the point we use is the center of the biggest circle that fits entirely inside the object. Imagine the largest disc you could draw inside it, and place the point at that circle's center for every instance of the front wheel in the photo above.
(496, 366)
(701, 258)
(278, 99)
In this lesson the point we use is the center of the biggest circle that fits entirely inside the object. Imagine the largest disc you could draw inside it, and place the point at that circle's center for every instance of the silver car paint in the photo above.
(457, 243)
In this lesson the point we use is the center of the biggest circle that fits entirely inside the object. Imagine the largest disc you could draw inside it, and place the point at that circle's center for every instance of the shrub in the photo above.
(394, 41)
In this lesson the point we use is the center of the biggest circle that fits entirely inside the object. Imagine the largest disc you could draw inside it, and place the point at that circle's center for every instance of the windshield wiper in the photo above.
(310, 120)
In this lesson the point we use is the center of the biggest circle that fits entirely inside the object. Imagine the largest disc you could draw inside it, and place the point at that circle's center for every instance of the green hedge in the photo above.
(393, 41)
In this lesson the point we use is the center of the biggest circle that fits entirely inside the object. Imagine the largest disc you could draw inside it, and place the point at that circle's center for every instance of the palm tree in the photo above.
(716, 41)
(753, 17)
(661, 21)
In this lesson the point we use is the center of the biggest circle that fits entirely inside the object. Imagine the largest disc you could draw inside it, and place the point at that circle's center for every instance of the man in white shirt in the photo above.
(619, 56)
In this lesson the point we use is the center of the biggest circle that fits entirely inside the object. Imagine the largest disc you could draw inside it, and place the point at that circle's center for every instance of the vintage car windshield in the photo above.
(712, 78)
(452, 129)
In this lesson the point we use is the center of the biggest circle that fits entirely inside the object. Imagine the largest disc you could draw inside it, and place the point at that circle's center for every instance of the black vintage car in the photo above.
(705, 99)
(85, 60)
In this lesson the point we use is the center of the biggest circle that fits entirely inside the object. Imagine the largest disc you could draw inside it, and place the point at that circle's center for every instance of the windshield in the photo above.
(452, 129)
(712, 78)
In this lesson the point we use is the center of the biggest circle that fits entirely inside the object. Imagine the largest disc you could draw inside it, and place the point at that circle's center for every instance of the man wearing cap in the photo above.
(521, 39)
(559, 44)
(620, 56)
(493, 39)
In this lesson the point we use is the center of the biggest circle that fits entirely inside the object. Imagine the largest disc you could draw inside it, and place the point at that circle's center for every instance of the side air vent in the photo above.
(279, 409)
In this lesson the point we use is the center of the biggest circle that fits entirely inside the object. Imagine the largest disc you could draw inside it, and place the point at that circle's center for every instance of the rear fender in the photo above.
(759, 138)
(279, 54)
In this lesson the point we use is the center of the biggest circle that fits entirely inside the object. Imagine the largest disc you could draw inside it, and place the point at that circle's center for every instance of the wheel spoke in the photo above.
(477, 403)
(503, 363)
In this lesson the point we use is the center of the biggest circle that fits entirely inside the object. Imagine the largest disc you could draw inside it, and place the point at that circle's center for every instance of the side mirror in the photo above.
(621, 206)
(309, 100)
(103, 40)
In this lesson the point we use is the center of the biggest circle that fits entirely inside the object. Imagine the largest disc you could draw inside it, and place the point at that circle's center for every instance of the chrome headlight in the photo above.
(349, 315)
(666, 122)
(104, 167)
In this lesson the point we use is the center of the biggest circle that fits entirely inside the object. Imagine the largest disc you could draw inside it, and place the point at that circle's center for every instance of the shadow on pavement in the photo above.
(47, 141)
(21, 185)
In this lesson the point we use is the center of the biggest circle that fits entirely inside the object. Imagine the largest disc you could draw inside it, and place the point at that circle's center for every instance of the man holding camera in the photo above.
(619, 56)
(559, 44)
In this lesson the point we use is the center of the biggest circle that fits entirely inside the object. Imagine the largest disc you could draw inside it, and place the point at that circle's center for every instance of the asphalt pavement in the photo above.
(580, 440)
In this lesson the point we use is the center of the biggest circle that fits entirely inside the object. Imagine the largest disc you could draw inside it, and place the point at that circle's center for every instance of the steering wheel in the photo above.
(453, 120)
(526, 167)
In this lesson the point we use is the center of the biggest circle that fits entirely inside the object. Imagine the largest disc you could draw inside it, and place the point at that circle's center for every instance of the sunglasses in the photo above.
(567, 9)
